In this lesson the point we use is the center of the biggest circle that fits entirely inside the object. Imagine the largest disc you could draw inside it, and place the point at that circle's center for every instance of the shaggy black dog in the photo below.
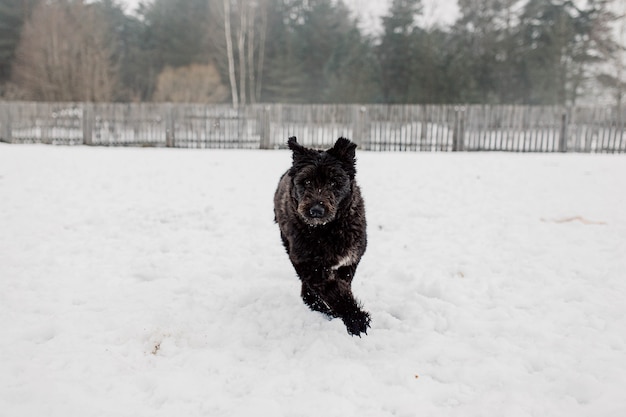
(321, 216)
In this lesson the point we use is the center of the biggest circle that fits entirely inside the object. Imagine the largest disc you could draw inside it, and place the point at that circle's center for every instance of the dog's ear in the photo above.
(301, 155)
(345, 151)
(297, 149)
(292, 143)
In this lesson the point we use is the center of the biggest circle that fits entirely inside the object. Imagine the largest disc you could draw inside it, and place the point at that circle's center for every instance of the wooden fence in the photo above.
(267, 126)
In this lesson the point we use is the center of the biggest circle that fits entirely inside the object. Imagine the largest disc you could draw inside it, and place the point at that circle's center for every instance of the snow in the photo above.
(152, 282)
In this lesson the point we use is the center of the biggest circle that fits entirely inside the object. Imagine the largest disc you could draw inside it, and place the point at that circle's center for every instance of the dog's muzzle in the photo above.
(317, 211)
(316, 214)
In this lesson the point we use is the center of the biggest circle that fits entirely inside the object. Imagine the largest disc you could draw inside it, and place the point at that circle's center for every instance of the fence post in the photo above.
(87, 123)
(359, 130)
(563, 138)
(264, 120)
(459, 129)
(620, 127)
(43, 111)
(424, 128)
(5, 122)
(168, 116)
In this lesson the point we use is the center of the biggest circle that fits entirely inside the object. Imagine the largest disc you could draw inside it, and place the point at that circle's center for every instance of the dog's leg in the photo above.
(336, 294)
(310, 296)
(357, 319)
(314, 302)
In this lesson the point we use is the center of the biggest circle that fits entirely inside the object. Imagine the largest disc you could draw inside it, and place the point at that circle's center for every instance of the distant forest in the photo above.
(308, 51)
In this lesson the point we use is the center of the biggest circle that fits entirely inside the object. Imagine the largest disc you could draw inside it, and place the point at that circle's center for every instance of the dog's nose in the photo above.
(317, 211)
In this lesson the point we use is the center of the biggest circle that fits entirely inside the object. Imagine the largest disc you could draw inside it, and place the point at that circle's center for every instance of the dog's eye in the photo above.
(333, 184)
(307, 183)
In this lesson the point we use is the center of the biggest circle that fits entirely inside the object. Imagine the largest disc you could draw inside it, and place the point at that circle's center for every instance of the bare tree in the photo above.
(191, 84)
(250, 50)
(241, 43)
(620, 61)
(248, 67)
(614, 76)
(262, 39)
(229, 51)
(63, 54)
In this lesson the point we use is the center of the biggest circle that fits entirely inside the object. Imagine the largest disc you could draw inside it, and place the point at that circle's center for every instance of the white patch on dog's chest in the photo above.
(345, 261)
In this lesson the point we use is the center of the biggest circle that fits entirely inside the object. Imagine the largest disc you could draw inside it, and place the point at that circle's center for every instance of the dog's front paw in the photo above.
(357, 323)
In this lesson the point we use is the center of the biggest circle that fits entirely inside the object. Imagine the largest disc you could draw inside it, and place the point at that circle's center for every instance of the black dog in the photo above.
(321, 216)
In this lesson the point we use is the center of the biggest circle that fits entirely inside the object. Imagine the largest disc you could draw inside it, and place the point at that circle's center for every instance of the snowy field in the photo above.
(152, 282)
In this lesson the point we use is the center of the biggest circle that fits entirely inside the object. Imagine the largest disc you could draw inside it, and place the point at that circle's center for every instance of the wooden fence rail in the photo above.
(267, 126)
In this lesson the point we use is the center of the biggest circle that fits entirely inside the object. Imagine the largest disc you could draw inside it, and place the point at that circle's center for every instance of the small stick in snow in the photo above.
(572, 219)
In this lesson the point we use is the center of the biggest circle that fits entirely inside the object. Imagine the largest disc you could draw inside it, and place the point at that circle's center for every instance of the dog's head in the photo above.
(322, 180)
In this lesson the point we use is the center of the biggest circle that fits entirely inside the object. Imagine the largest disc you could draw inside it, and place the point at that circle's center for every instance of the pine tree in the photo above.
(396, 50)
(13, 14)
(561, 43)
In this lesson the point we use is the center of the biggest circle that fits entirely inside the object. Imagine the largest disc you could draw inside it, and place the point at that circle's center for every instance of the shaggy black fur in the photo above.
(321, 216)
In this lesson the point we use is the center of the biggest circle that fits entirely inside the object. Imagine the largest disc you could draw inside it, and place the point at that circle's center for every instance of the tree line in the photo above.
(308, 51)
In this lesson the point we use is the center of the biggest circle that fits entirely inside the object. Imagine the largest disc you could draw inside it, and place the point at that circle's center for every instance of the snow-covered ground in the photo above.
(152, 282)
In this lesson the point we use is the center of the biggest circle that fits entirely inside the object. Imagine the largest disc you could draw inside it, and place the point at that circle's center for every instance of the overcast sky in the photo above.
(434, 12)
(442, 12)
